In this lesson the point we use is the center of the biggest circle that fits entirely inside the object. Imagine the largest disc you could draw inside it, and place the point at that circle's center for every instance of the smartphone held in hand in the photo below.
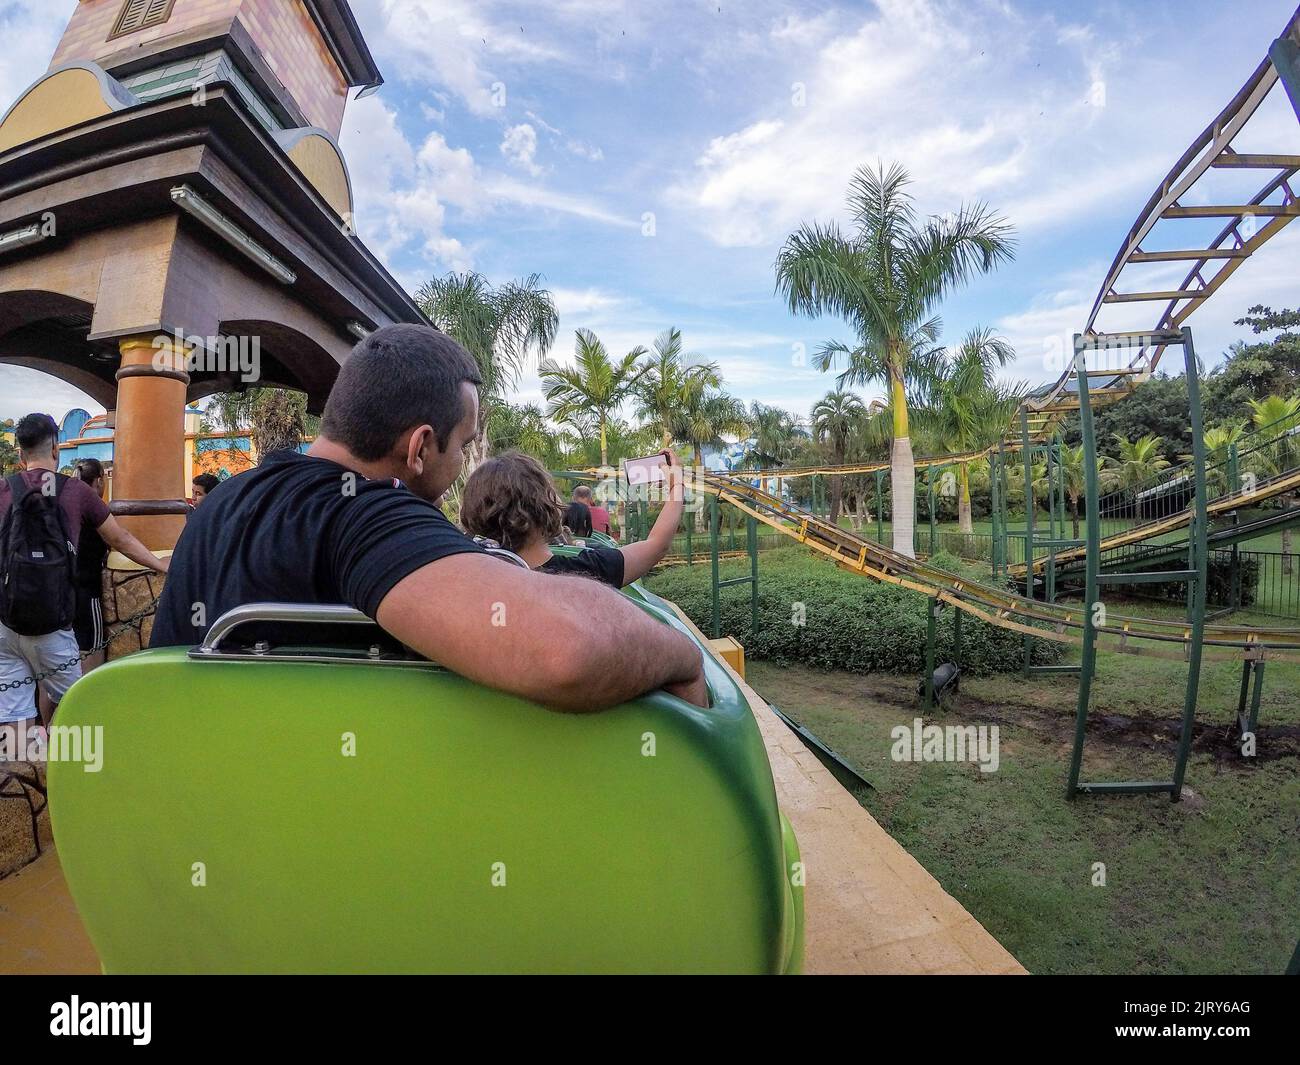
(649, 470)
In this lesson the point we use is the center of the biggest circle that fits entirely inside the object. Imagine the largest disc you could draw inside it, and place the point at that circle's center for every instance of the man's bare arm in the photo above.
(567, 642)
(120, 540)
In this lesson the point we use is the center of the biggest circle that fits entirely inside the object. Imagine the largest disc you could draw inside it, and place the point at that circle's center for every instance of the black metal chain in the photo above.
(122, 626)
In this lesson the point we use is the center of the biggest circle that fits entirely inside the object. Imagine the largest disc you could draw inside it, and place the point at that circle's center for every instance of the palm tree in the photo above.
(1217, 442)
(886, 279)
(836, 417)
(524, 428)
(594, 384)
(970, 408)
(1139, 460)
(777, 435)
(276, 419)
(502, 326)
(672, 382)
(1072, 472)
(706, 417)
(1279, 418)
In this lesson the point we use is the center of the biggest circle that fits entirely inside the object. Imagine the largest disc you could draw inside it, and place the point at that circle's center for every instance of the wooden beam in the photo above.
(1176, 256)
(1242, 160)
(1263, 210)
(1168, 294)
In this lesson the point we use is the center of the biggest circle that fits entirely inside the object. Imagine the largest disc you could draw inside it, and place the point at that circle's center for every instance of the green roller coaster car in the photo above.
(294, 810)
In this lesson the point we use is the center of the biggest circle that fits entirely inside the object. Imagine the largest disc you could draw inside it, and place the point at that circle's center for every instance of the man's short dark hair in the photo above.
(399, 377)
(89, 470)
(34, 431)
(206, 481)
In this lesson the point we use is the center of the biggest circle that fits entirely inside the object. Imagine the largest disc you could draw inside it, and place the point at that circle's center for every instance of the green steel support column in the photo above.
(713, 544)
(1093, 558)
(1053, 533)
(880, 506)
(1027, 456)
(956, 637)
(929, 488)
(690, 524)
(1253, 723)
(751, 534)
(1004, 505)
(916, 519)
(932, 611)
(1234, 475)
(993, 510)
(1246, 669)
(1198, 547)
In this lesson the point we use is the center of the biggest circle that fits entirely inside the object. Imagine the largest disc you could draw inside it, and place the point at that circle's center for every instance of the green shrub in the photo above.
(1218, 581)
(849, 622)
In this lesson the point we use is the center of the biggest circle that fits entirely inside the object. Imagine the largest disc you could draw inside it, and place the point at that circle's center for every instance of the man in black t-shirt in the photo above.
(353, 521)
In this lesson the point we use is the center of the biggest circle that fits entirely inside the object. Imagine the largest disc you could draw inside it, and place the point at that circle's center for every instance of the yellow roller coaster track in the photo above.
(1005, 609)
(1276, 486)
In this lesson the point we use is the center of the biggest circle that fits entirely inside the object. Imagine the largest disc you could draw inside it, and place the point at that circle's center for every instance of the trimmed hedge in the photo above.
(849, 622)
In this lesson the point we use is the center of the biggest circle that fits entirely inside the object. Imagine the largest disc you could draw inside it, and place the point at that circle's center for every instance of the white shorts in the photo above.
(22, 657)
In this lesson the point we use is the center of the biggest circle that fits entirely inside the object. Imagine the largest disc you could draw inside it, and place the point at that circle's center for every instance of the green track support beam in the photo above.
(880, 506)
(751, 535)
(713, 547)
(932, 614)
(1195, 575)
(956, 638)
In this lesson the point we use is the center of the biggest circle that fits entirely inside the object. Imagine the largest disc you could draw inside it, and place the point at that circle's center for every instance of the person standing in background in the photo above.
(92, 555)
(203, 484)
(599, 515)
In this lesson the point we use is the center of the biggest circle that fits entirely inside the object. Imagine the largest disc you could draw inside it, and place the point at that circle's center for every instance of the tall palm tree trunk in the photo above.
(902, 471)
(964, 523)
(837, 495)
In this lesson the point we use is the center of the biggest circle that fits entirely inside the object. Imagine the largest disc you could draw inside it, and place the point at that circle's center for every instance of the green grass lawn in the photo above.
(1211, 884)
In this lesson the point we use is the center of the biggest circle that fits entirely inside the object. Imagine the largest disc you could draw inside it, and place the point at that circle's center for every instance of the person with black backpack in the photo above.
(41, 517)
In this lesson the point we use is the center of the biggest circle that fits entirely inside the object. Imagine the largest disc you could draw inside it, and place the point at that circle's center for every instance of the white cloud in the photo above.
(519, 146)
(951, 91)
(30, 30)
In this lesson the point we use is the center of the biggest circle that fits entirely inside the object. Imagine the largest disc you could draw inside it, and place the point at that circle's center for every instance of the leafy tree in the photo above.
(886, 278)
(1138, 461)
(502, 326)
(672, 383)
(1158, 407)
(967, 407)
(596, 384)
(836, 417)
(275, 418)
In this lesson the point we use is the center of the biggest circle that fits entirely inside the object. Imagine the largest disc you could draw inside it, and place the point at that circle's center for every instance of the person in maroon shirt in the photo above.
(22, 656)
(599, 515)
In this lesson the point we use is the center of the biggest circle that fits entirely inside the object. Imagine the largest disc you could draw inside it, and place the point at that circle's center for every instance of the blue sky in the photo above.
(516, 138)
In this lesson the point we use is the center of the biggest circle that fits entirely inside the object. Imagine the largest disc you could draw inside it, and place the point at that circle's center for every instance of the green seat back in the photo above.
(288, 817)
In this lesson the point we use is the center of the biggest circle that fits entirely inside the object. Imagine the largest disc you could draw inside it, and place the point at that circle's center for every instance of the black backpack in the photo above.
(37, 561)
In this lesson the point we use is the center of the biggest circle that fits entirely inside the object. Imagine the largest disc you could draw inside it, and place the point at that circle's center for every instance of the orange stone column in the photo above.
(149, 440)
